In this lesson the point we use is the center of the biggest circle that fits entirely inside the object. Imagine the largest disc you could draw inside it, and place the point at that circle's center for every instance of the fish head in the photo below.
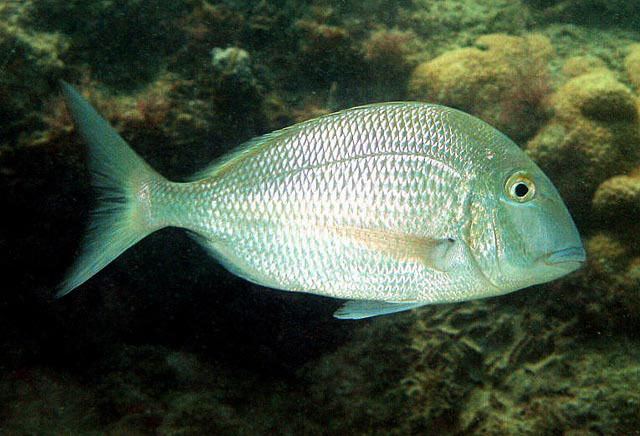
(535, 238)
(518, 230)
(529, 235)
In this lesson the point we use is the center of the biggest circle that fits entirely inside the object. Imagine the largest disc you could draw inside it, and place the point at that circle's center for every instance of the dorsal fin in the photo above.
(254, 146)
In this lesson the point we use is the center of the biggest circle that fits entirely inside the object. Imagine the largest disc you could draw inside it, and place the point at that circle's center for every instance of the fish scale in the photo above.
(391, 206)
(280, 218)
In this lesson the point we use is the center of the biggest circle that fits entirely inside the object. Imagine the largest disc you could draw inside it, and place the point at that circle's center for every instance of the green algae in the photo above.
(502, 79)
(124, 41)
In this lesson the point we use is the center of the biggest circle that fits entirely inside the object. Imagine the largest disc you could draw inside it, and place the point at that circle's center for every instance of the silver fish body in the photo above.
(391, 205)
(339, 206)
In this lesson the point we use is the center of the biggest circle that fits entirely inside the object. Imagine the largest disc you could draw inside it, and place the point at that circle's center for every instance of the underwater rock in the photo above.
(232, 65)
(609, 288)
(325, 50)
(595, 128)
(593, 12)
(35, 399)
(609, 291)
(388, 54)
(486, 367)
(618, 199)
(30, 63)
(578, 65)
(457, 23)
(389, 49)
(632, 65)
(631, 289)
(607, 255)
(124, 41)
(502, 79)
(598, 96)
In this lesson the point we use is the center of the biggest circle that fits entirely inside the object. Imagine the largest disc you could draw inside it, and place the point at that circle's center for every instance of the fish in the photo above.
(390, 206)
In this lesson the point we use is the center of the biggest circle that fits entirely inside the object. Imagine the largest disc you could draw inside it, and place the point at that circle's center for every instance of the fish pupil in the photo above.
(521, 190)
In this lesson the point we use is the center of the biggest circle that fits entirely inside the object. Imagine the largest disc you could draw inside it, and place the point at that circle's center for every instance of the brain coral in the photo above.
(618, 198)
(503, 80)
(632, 64)
(593, 136)
(578, 65)
(29, 64)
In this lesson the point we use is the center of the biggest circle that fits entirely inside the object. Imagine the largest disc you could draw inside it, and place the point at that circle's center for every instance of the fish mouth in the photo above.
(571, 255)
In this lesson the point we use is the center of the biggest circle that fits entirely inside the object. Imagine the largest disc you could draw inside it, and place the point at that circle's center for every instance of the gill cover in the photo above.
(536, 238)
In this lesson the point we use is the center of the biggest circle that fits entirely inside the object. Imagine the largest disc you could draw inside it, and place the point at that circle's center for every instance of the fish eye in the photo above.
(520, 187)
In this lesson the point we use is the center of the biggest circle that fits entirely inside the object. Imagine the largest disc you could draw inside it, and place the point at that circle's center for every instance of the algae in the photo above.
(595, 126)
(502, 79)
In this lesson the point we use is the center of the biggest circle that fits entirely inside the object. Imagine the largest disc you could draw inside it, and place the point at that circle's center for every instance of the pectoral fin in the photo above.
(359, 309)
(433, 252)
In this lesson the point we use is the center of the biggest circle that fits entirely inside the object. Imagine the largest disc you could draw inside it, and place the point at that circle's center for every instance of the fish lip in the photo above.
(566, 255)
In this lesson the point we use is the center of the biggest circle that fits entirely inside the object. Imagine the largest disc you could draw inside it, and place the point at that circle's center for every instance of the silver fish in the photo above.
(391, 206)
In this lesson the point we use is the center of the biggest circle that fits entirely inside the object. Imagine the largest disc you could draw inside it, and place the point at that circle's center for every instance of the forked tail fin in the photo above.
(122, 214)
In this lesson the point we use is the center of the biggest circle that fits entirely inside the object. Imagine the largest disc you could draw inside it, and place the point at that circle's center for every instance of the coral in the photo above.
(502, 79)
(231, 83)
(632, 65)
(388, 55)
(579, 65)
(325, 50)
(30, 63)
(389, 49)
(206, 26)
(630, 285)
(37, 399)
(618, 199)
(457, 23)
(600, 12)
(518, 367)
(595, 128)
(213, 24)
(232, 66)
(602, 295)
(522, 366)
(320, 37)
(150, 390)
(309, 109)
(515, 373)
(101, 32)
(597, 96)
(606, 255)
(278, 112)
(609, 290)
